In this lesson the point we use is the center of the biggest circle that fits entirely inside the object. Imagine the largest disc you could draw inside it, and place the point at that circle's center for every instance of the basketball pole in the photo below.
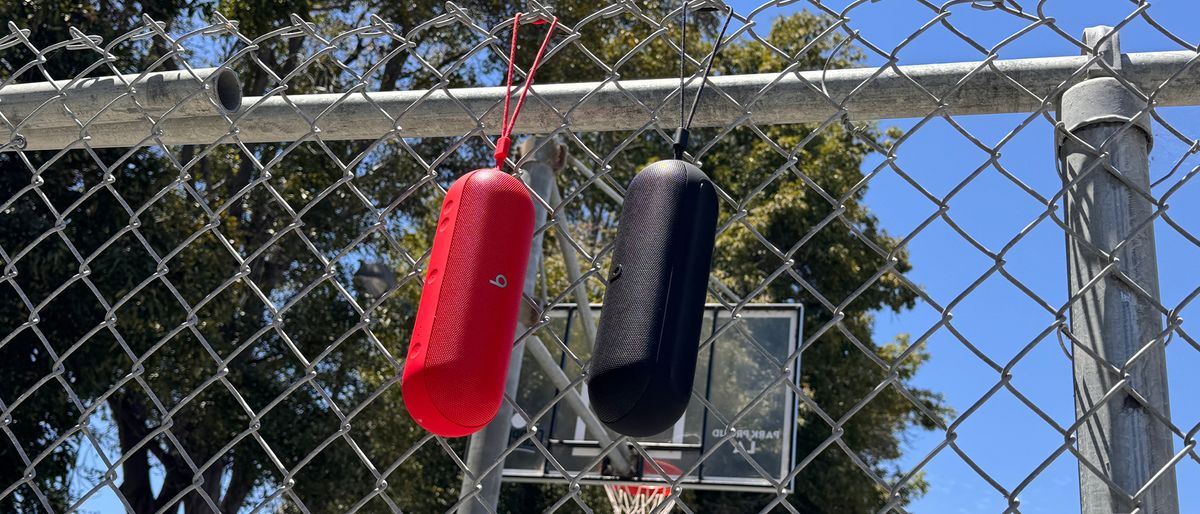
(620, 457)
(571, 262)
(486, 446)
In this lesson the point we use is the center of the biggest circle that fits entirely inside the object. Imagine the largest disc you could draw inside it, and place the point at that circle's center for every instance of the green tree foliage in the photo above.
(222, 337)
(42, 207)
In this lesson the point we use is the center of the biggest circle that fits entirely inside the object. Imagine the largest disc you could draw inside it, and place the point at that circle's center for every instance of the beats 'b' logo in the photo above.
(499, 281)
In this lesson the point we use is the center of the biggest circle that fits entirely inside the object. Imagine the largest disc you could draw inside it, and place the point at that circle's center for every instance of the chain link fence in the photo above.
(214, 231)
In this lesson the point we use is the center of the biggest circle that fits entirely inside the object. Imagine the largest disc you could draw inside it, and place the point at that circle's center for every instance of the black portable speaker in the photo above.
(645, 354)
(649, 333)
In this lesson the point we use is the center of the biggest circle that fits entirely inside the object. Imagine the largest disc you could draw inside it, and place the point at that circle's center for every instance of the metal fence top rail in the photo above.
(873, 93)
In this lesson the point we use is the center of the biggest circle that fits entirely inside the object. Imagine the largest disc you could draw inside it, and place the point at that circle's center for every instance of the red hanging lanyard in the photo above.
(506, 125)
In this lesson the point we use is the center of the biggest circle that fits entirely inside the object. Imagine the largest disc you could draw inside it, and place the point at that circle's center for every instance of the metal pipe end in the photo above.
(228, 90)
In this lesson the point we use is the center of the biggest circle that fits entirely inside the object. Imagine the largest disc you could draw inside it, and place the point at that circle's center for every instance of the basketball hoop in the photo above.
(643, 499)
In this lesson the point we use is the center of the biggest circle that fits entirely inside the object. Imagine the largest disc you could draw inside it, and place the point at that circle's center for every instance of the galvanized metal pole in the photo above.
(1116, 325)
(620, 457)
(797, 96)
(571, 262)
(486, 446)
(205, 92)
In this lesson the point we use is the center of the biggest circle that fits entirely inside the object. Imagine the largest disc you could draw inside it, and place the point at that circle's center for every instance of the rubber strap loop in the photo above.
(506, 126)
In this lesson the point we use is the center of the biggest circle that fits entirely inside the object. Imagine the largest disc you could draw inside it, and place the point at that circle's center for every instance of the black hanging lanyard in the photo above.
(682, 135)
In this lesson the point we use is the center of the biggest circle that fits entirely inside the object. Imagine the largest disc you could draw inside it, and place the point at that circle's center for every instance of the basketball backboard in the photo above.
(745, 367)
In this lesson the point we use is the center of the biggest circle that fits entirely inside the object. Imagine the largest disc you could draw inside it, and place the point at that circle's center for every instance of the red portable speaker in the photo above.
(458, 357)
(457, 362)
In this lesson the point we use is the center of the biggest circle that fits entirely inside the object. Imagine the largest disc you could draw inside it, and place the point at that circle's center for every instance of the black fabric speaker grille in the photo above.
(644, 361)
(643, 256)
(629, 331)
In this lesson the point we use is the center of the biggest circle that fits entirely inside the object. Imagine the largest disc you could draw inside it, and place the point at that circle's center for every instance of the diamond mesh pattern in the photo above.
(192, 306)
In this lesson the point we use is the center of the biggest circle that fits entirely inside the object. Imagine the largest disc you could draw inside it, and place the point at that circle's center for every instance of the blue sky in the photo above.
(1005, 438)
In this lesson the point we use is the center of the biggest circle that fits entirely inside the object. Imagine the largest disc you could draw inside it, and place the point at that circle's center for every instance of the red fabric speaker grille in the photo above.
(473, 332)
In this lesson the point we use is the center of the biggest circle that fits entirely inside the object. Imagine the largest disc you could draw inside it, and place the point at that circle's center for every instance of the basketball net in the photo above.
(643, 499)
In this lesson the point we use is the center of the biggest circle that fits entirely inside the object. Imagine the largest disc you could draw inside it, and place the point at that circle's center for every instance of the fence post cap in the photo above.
(1103, 100)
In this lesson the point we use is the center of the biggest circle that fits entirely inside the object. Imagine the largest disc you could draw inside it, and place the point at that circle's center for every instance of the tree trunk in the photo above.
(131, 429)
